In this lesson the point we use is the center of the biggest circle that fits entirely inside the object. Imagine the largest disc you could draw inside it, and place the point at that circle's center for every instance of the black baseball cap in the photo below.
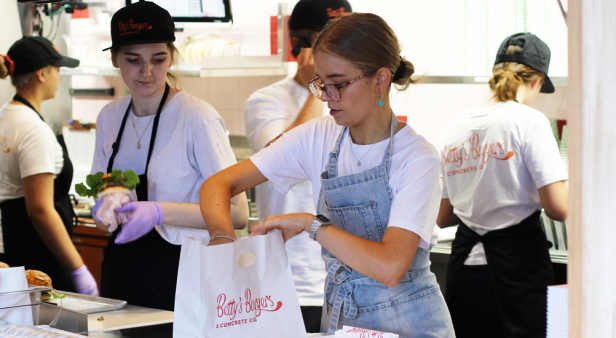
(535, 54)
(32, 53)
(315, 14)
(140, 23)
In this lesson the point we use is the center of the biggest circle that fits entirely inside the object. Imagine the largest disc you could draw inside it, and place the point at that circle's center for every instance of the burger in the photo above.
(115, 189)
(39, 278)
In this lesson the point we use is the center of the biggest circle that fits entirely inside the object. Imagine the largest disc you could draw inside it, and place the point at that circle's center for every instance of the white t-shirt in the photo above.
(27, 147)
(494, 160)
(269, 111)
(191, 145)
(303, 153)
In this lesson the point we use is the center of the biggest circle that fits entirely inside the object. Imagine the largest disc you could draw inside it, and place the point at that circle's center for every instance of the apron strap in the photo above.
(21, 99)
(387, 156)
(332, 165)
(116, 144)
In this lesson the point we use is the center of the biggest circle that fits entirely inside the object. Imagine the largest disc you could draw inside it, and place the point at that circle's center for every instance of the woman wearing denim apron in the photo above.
(377, 181)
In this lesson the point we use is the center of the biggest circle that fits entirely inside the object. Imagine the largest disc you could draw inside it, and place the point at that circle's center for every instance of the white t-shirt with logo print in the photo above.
(493, 161)
(27, 147)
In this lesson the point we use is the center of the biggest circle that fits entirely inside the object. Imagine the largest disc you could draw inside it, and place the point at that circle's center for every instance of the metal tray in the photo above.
(86, 304)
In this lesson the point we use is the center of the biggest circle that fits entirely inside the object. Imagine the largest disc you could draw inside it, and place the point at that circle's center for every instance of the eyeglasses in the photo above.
(332, 90)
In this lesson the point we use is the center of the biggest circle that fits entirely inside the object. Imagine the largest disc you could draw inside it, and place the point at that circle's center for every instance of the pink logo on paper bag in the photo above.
(232, 308)
(365, 333)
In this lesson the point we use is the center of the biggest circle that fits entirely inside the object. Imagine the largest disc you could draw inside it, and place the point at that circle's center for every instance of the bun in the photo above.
(4, 265)
(114, 190)
(38, 278)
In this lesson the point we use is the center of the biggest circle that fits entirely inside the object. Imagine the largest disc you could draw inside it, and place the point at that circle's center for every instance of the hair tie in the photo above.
(400, 71)
(10, 65)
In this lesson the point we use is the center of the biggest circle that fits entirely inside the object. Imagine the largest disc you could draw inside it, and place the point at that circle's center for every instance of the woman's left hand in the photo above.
(145, 215)
(290, 225)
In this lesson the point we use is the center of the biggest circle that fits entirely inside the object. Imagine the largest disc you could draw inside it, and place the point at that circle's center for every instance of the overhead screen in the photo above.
(195, 11)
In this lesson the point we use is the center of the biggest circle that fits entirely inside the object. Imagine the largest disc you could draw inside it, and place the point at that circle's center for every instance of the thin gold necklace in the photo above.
(132, 117)
(359, 159)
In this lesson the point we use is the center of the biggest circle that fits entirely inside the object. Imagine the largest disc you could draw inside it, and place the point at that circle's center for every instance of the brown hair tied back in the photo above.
(367, 41)
(507, 77)
(6, 66)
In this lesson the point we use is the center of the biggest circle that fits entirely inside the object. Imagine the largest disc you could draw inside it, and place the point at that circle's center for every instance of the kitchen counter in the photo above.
(130, 316)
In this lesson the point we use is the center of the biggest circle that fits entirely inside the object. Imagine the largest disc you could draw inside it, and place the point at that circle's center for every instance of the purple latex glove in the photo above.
(95, 210)
(143, 219)
(84, 282)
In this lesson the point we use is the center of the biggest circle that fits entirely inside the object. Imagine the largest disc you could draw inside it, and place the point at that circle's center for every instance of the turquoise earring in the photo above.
(380, 101)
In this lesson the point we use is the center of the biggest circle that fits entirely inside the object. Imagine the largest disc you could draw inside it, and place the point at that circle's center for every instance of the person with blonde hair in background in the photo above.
(36, 213)
(377, 182)
(173, 141)
(500, 166)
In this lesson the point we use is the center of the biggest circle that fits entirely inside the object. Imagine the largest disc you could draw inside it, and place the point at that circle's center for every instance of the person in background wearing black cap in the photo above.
(500, 166)
(274, 110)
(378, 184)
(174, 141)
(36, 171)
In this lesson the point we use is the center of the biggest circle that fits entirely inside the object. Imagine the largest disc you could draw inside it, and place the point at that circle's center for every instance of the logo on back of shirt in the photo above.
(3, 145)
(474, 155)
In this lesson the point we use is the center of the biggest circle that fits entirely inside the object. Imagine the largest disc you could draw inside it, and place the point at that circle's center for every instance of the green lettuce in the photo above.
(95, 182)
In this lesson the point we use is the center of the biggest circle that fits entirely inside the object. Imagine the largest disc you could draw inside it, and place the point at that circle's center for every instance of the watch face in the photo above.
(323, 218)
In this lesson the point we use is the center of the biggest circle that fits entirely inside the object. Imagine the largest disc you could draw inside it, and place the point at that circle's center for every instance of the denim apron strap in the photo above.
(332, 164)
(340, 275)
(387, 156)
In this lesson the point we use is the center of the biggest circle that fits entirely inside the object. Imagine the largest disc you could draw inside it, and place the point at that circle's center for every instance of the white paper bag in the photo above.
(215, 297)
(15, 309)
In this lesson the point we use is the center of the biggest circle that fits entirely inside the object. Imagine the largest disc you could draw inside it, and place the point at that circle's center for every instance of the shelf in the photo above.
(556, 80)
(182, 72)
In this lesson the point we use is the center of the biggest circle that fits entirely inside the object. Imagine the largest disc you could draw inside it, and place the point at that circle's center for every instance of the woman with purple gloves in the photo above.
(36, 172)
(174, 141)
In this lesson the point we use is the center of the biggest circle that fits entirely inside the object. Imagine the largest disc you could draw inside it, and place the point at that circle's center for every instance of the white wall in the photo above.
(421, 28)
(11, 31)
(56, 110)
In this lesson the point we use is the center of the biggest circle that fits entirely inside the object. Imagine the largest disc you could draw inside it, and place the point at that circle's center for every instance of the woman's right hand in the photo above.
(290, 225)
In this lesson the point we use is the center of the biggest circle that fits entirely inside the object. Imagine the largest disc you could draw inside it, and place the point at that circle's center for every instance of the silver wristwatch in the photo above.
(319, 220)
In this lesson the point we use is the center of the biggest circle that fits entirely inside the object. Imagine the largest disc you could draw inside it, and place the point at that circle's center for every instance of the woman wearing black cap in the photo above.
(174, 141)
(500, 166)
(36, 172)
(377, 183)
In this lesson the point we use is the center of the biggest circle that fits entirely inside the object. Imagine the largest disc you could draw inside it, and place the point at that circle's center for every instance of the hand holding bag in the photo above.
(238, 290)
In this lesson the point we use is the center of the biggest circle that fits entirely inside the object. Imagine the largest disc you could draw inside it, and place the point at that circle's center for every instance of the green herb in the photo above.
(53, 294)
(94, 182)
(129, 179)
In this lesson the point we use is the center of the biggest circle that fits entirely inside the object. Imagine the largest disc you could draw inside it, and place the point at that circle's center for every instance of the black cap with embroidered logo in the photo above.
(140, 23)
(314, 14)
(535, 54)
(32, 53)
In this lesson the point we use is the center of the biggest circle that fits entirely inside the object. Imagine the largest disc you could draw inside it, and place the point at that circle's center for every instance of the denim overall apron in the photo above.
(360, 204)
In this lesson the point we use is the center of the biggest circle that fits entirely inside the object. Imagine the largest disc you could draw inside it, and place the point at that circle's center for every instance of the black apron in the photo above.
(22, 244)
(520, 270)
(143, 272)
